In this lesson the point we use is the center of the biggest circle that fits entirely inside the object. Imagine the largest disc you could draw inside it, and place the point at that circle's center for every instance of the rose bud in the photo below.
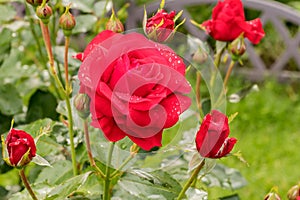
(44, 12)
(200, 56)
(114, 24)
(294, 192)
(237, 47)
(212, 139)
(67, 22)
(272, 196)
(82, 105)
(35, 3)
(20, 147)
(160, 26)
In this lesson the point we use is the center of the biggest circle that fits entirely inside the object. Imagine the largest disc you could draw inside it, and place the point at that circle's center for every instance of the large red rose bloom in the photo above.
(136, 87)
(228, 22)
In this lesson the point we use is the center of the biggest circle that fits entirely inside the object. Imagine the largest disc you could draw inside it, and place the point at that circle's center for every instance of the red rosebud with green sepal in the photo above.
(294, 192)
(212, 139)
(161, 26)
(35, 3)
(19, 148)
(44, 12)
(114, 24)
(67, 22)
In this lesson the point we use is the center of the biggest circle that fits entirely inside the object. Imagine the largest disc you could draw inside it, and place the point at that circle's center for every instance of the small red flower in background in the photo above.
(228, 22)
(136, 87)
(18, 144)
(161, 25)
(212, 139)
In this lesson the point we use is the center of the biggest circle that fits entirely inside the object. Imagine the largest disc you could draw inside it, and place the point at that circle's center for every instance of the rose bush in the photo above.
(20, 146)
(212, 139)
(228, 22)
(136, 87)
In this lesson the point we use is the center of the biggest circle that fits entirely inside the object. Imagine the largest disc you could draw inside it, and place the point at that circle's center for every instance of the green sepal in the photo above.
(39, 160)
(5, 155)
(24, 160)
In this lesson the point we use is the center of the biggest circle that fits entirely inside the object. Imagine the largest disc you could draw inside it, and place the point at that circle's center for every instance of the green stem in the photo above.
(67, 41)
(106, 194)
(191, 180)
(128, 159)
(26, 184)
(89, 149)
(68, 103)
(198, 95)
(71, 135)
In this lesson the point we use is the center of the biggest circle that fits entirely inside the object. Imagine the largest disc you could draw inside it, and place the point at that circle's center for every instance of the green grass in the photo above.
(268, 133)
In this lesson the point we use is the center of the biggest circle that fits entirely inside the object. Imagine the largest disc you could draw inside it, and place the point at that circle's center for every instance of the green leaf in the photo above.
(220, 46)
(10, 99)
(84, 23)
(61, 171)
(7, 13)
(85, 6)
(39, 160)
(231, 197)
(225, 177)
(150, 185)
(63, 190)
(99, 7)
(5, 44)
(42, 104)
(196, 194)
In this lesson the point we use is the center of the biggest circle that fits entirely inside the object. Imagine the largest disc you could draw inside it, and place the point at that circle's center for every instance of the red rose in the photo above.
(161, 25)
(228, 22)
(18, 143)
(136, 87)
(212, 139)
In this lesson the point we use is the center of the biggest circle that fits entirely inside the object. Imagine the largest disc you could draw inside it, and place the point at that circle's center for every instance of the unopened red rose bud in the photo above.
(294, 192)
(20, 147)
(114, 24)
(82, 105)
(35, 3)
(237, 47)
(44, 12)
(67, 22)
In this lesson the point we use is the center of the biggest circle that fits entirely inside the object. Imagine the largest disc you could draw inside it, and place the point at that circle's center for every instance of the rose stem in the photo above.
(106, 195)
(89, 150)
(228, 73)
(191, 180)
(46, 37)
(70, 117)
(128, 159)
(26, 184)
(198, 95)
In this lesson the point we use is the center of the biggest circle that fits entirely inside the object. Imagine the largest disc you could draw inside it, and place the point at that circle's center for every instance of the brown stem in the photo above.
(228, 73)
(26, 184)
(46, 36)
(89, 149)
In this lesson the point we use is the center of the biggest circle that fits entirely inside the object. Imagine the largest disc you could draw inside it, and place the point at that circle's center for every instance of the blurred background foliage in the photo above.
(267, 125)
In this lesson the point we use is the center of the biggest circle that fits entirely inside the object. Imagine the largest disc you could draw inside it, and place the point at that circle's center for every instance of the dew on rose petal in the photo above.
(170, 59)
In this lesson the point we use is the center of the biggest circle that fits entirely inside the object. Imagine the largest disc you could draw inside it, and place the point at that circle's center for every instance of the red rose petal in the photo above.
(148, 143)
